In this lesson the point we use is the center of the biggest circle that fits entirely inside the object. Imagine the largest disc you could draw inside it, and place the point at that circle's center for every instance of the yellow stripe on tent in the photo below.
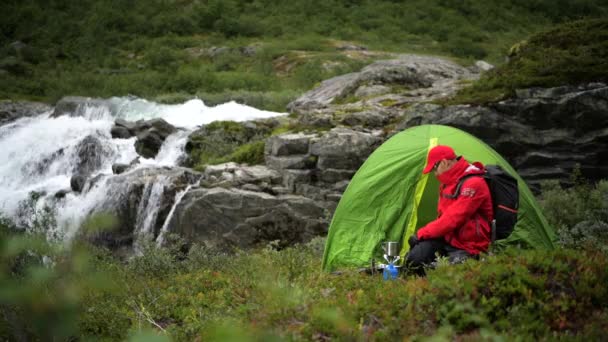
(413, 220)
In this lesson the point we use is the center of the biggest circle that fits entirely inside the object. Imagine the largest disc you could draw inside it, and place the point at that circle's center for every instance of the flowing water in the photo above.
(41, 154)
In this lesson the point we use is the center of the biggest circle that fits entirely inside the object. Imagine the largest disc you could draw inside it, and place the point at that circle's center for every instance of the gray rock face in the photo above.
(235, 175)
(222, 218)
(412, 70)
(311, 164)
(326, 93)
(343, 148)
(438, 76)
(288, 144)
(543, 133)
(369, 119)
(13, 110)
(365, 91)
(140, 201)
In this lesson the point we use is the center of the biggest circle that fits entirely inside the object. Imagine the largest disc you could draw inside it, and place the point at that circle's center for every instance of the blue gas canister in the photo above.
(390, 272)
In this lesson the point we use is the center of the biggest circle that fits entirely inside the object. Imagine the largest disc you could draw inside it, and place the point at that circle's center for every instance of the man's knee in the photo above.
(424, 252)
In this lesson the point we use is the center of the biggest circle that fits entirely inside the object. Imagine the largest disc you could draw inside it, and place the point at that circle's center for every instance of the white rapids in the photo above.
(40, 154)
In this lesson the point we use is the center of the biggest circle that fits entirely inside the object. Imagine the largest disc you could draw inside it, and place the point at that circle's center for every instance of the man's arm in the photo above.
(472, 194)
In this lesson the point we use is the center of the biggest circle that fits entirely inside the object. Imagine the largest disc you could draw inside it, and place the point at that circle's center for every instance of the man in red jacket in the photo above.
(462, 227)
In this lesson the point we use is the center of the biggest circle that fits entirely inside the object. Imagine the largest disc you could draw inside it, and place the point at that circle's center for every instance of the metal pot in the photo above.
(391, 248)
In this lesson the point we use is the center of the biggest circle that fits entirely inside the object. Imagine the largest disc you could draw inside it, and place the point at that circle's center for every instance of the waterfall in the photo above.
(163, 231)
(41, 154)
(148, 208)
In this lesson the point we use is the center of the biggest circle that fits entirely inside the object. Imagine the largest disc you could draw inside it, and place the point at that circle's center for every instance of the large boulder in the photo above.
(140, 200)
(412, 70)
(221, 138)
(221, 218)
(343, 148)
(436, 77)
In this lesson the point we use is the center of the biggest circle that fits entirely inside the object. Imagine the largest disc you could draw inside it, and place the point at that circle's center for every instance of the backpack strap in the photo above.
(460, 182)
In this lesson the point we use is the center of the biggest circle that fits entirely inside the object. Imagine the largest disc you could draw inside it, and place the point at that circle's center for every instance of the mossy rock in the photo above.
(223, 141)
(569, 54)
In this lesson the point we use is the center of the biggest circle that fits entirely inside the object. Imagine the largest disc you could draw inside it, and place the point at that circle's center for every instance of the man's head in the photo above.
(440, 159)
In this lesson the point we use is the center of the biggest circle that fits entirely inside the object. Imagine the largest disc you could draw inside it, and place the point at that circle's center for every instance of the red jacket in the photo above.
(464, 222)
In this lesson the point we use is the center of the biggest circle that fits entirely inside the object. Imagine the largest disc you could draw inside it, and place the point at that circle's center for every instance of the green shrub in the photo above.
(252, 154)
(579, 213)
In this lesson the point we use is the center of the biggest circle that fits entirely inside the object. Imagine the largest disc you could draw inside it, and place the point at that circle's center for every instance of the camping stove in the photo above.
(391, 255)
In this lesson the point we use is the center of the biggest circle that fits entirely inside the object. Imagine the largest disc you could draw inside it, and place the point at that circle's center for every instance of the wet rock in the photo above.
(13, 110)
(77, 182)
(119, 168)
(119, 132)
(140, 201)
(62, 193)
(78, 106)
(151, 135)
(91, 153)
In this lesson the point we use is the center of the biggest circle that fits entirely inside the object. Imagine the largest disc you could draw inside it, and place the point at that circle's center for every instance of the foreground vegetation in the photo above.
(188, 294)
(260, 52)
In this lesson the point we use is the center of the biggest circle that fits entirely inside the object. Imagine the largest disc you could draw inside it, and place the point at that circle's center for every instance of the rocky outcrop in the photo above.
(13, 110)
(220, 218)
(140, 201)
(418, 77)
(329, 90)
(311, 165)
(220, 139)
(543, 133)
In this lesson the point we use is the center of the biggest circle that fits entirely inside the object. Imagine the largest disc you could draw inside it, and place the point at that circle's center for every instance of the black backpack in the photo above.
(505, 199)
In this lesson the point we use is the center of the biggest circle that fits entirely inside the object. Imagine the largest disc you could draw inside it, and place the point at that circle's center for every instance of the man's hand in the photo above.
(413, 241)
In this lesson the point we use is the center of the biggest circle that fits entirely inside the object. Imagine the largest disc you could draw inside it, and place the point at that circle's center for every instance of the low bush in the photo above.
(570, 53)
(579, 213)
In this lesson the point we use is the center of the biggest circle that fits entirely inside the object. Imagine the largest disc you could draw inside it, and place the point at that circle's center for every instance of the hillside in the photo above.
(260, 52)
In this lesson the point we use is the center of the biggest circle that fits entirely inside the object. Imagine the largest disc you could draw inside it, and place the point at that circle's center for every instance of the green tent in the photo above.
(389, 198)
